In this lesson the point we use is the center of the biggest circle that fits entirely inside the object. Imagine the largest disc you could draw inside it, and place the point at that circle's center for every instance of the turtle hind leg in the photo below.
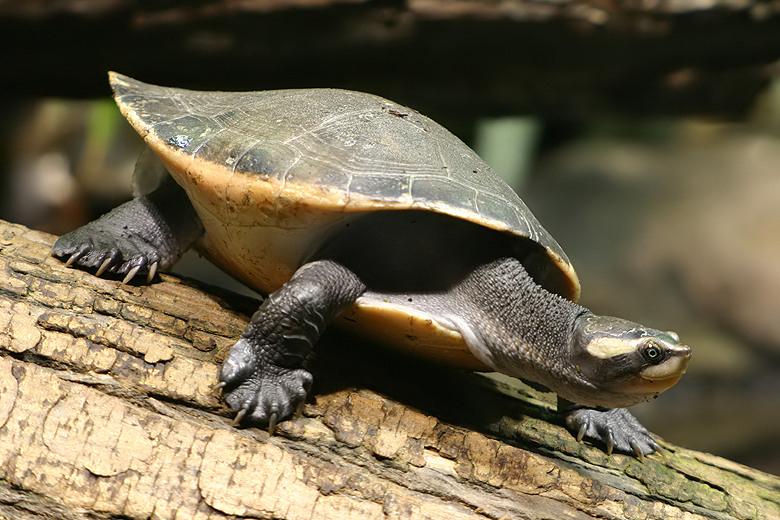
(264, 376)
(147, 234)
(615, 428)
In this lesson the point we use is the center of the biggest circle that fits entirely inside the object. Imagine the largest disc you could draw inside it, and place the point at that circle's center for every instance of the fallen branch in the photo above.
(454, 59)
(107, 410)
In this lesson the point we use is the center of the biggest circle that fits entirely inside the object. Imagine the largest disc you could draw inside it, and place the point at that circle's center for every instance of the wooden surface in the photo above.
(453, 59)
(106, 411)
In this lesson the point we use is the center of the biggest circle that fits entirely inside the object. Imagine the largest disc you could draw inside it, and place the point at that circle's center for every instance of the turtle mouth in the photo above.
(670, 370)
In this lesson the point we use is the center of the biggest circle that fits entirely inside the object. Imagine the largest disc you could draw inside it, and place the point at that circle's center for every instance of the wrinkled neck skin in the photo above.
(521, 329)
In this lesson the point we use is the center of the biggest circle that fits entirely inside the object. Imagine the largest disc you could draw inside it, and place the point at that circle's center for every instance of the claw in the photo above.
(131, 274)
(272, 423)
(581, 432)
(103, 266)
(75, 256)
(78, 253)
(637, 450)
(219, 386)
(610, 442)
(239, 416)
(299, 409)
(151, 273)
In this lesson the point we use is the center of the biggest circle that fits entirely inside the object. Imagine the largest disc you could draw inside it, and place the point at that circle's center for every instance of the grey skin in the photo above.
(510, 322)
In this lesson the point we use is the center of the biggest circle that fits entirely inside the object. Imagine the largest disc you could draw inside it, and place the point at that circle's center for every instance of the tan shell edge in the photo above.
(410, 330)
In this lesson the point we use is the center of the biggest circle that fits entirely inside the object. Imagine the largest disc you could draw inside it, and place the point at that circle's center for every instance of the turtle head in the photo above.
(626, 361)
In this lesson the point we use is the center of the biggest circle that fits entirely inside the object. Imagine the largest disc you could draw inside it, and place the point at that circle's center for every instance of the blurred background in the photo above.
(645, 136)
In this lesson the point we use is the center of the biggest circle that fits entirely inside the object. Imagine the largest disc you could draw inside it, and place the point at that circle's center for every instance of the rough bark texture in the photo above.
(450, 58)
(106, 411)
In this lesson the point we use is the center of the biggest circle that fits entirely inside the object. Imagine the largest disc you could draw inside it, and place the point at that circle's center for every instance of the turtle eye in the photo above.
(652, 352)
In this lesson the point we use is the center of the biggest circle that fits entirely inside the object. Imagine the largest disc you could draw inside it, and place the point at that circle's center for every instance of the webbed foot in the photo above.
(265, 377)
(104, 248)
(261, 392)
(617, 429)
(137, 238)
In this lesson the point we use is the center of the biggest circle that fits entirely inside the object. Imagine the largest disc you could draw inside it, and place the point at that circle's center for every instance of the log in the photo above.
(107, 410)
(453, 59)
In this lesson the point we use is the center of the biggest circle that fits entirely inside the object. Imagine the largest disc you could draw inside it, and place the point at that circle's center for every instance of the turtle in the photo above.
(346, 208)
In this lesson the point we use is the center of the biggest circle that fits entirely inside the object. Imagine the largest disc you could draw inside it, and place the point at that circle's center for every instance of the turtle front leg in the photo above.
(616, 428)
(140, 237)
(264, 376)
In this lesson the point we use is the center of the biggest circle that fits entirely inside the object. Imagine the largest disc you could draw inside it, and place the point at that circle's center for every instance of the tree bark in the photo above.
(107, 411)
(454, 59)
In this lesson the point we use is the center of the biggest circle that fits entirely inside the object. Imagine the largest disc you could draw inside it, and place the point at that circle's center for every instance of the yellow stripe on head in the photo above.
(607, 347)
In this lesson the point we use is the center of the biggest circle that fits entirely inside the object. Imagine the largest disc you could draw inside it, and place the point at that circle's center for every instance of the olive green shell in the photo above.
(363, 152)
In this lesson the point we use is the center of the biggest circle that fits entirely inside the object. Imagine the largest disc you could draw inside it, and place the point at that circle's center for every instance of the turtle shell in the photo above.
(288, 164)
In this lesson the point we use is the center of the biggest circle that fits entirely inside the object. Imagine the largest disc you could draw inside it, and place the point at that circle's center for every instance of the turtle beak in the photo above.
(670, 371)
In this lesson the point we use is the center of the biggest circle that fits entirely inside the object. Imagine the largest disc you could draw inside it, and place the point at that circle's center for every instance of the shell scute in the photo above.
(380, 185)
(433, 190)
